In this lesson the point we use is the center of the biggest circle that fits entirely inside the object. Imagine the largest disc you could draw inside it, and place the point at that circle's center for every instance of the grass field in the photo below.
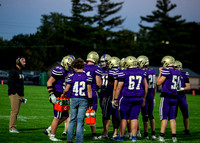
(37, 114)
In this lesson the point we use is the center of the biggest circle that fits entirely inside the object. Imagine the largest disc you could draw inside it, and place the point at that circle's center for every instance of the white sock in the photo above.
(49, 128)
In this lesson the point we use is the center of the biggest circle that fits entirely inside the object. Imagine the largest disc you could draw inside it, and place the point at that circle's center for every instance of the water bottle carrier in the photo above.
(62, 104)
(90, 117)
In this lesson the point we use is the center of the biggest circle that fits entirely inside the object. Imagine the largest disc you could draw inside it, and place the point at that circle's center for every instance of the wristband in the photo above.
(115, 99)
(49, 87)
(50, 91)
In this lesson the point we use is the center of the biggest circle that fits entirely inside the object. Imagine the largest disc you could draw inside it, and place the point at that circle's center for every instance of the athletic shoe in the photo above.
(174, 139)
(153, 137)
(13, 131)
(52, 138)
(146, 137)
(161, 139)
(118, 138)
(47, 131)
(95, 138)
(103, 136)
(115, 135)
(133, 139)
(64, 133)
(187, 132)
(138, 134)
(128, 135)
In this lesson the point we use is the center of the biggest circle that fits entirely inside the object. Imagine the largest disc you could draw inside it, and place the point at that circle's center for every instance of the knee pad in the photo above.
(145, 118)
(151, 117)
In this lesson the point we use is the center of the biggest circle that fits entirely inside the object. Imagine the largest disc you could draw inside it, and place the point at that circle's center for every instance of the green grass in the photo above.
(37, 114)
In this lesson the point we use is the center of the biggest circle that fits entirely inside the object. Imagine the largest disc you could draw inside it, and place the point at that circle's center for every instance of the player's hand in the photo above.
(181, 89)
(52, 98)
(63, 95)
(154, 102)
(160, 69)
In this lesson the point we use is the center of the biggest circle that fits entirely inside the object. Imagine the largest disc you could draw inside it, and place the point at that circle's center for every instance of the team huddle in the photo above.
(124, 88)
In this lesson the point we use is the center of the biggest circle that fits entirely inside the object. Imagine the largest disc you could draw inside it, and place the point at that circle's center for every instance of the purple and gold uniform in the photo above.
(59, 74)
(151, 79)
(104, 98)
(132, 93)
(169, 93)
(79, 81)
(182, 102)
(112, 77)
(93, 70)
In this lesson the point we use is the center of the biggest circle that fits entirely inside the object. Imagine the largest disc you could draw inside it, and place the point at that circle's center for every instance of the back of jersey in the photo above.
(172, 80)
(133, 81)
(93, 70)
(151, 80)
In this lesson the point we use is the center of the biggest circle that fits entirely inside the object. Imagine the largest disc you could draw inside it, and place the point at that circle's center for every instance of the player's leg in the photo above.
(172, 118)
(145, 119)
(184, 109)
(164, 110)
(151, 118)
(66, 126)
(95, 105)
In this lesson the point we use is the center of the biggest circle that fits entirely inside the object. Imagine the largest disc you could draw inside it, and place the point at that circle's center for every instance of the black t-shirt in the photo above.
(16, 82)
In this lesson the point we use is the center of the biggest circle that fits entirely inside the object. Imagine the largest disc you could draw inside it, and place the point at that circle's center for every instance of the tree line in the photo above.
(90, 27)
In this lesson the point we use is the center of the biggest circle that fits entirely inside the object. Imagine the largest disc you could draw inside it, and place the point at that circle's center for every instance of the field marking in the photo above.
(24, 118)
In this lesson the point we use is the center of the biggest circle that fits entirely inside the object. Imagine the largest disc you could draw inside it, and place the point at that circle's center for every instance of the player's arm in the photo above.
(98, 81)
(187, 86)
(145, 84)
(50, 82)
(52, 97)
(114, 88)
(118, 90)
(66, 90)
(89, 90)
(160, 78)
(154, 92)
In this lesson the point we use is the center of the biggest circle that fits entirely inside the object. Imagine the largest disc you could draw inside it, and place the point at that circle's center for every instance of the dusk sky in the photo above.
(23, 16)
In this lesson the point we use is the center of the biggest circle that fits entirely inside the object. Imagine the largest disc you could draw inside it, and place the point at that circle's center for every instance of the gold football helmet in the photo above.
(67, 61)
(168, 61)
(113, 62)
(93, 57)
(130, 62)
(122, 63)
(178, 65)
(143, 61)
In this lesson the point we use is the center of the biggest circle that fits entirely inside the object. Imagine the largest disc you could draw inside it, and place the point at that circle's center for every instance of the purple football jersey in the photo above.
(151, 80)
(104, 78)
(172, 80)
(184, 79)
(112, 76)
(93, 70)
(59, 73)
(133, 82)
(79, 83)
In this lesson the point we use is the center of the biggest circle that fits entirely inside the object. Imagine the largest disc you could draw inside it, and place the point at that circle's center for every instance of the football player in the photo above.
(104, 98)
(147, 110)
(169, 78)
(182, 102)
(113, 65)
(134, 87)
(95, 72)
(79, 85)
(55, 86)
